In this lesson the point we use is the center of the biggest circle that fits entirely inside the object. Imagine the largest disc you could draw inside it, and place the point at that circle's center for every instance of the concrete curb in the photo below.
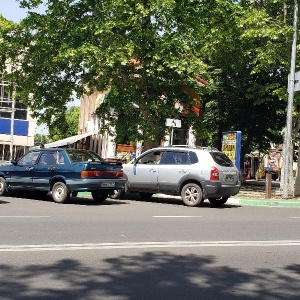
(260, 202)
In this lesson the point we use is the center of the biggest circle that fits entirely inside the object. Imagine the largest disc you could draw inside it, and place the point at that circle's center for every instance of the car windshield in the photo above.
(83, 155)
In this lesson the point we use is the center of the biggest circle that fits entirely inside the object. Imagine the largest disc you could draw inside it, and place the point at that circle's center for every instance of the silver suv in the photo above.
(194, 173)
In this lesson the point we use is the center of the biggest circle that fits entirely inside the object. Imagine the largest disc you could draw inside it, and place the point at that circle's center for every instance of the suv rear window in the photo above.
(221, 159)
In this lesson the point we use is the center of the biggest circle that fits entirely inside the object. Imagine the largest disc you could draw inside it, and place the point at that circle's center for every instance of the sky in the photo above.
(11, 11)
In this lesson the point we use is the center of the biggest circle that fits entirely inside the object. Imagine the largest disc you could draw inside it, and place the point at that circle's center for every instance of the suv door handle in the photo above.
(51, 168)
(152, 171)
(29, 168)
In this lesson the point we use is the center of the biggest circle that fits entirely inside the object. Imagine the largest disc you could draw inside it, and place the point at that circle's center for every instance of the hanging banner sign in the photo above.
(232, 145)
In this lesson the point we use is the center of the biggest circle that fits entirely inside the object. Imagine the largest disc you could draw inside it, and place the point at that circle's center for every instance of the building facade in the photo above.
(17, 128)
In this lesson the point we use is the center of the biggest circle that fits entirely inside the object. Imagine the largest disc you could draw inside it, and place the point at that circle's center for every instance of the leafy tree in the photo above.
(250, 54)
(146, 51)
(40, 139)
(82, 45)
(65, 125)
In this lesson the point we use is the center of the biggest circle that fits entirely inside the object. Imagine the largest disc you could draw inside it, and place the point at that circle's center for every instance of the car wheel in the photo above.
(192, 194)
(218, 201)
(146, 195)
(74, 194)
(60, 192)
(118, 194)
(99, 196)
(3, 187)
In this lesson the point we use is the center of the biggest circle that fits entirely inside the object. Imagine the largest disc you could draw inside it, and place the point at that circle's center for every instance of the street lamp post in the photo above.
(288, 131)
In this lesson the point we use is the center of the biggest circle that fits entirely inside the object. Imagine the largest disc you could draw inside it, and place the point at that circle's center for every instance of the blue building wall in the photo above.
(20, 127)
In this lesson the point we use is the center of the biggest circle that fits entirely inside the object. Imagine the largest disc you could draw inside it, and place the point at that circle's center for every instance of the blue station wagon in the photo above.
(62, 171)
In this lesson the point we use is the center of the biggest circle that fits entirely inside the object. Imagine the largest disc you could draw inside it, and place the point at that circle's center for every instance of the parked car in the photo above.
(62, 171)
(194, 173)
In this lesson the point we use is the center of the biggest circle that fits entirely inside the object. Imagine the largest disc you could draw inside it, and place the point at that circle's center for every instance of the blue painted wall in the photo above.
(20, 127)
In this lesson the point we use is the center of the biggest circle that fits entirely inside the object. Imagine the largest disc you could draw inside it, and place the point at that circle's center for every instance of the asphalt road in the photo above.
(160, 249)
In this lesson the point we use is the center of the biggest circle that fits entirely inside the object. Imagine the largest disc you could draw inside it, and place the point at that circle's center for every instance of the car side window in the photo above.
(47, 159)
(176, 158)
(193, 157)
(151, 158)
(28, 159)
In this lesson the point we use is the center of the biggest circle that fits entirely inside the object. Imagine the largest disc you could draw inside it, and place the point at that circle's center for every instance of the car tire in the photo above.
(60, 192)
(74, 194)
(118, 194)
(3, 187)
(218, 201)
(99, 196)
(146, 195)
(192, 194)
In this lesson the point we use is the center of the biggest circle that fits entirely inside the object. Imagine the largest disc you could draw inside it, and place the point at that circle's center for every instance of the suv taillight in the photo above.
(214, 173)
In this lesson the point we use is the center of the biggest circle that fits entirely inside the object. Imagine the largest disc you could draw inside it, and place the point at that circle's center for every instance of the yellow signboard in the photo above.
(229, 145)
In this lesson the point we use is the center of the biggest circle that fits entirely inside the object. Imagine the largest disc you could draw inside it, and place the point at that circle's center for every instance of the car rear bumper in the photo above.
(87, 185)
(217, 189)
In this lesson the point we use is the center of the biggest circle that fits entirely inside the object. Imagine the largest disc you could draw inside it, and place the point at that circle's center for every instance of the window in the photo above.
(47, 159)
(221, 159)
(83, 155)
(151, 158)
(29, 159)
(193, 157)
(176, 158)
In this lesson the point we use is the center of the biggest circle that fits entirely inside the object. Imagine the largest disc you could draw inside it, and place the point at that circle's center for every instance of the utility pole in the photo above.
(288, 132)
(12, 126)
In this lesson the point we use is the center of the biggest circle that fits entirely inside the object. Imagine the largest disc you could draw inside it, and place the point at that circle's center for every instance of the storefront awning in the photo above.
(68, 141)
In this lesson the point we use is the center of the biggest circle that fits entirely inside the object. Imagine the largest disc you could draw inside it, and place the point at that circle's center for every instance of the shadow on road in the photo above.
(173, 200)
(158, 275)
(73, 200)
(4, 202)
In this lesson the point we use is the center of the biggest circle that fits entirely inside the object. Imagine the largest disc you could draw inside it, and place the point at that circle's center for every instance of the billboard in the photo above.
(232, 145)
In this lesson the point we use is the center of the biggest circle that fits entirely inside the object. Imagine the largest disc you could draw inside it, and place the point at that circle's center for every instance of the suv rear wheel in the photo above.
(192, 194)
(118, 194)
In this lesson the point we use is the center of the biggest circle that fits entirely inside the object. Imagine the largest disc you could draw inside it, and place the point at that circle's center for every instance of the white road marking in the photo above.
(145, 245)
(294, 217)
(24, 216)
(177, 216)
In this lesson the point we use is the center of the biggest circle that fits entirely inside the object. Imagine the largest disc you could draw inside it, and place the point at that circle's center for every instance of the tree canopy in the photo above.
(146, 51)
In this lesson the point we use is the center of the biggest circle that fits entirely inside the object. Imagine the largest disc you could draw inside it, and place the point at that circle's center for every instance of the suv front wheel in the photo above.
(192, 194)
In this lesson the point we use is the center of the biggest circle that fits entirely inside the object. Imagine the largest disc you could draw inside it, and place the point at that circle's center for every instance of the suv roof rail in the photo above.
(211, 148)
(195, 147)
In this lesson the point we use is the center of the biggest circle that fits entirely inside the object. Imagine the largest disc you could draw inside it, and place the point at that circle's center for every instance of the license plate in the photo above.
(107, 184)
(229, 178)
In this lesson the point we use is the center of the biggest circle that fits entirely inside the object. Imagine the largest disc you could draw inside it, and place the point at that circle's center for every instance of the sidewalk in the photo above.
(253, 193)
